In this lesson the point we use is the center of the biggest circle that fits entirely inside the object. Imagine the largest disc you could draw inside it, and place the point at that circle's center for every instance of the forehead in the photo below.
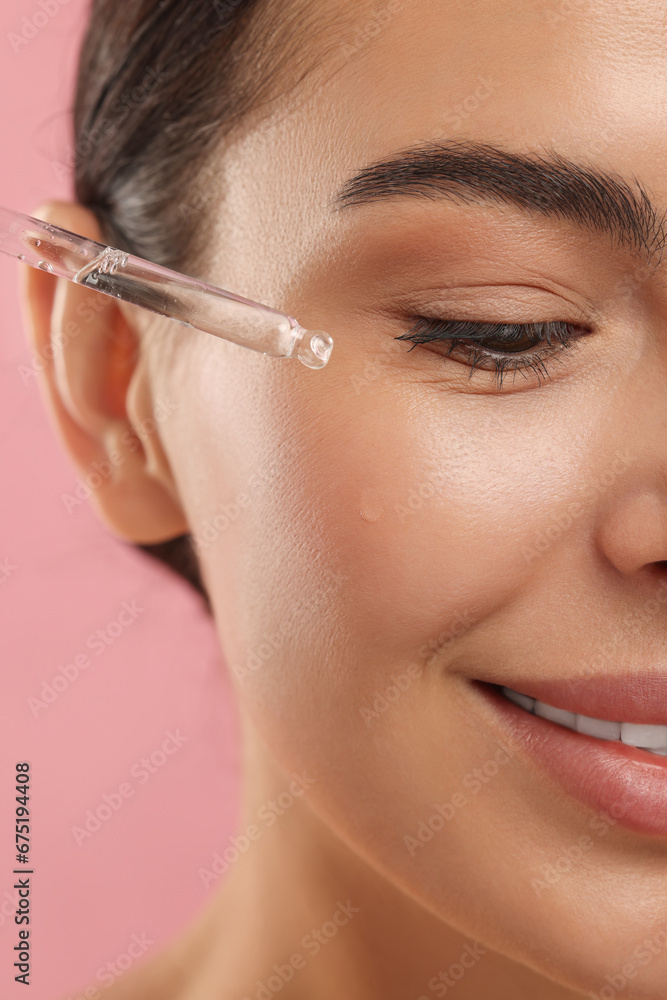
(585, 77)
(588, 80)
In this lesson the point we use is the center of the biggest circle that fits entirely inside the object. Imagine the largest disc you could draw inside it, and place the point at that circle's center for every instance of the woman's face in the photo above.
(379, 534)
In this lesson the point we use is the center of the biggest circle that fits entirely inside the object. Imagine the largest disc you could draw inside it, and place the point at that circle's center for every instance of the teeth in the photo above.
(598, 727)
(558, 715)
(654, 737)
(650, 738)
(519, 699)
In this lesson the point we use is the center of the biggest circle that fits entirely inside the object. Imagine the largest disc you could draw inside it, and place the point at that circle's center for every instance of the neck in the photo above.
(300, 915)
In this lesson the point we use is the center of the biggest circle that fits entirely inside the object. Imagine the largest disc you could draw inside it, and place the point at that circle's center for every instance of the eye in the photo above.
(497, 347)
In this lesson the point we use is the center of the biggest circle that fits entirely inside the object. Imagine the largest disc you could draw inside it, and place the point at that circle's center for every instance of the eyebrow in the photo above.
(547, 183)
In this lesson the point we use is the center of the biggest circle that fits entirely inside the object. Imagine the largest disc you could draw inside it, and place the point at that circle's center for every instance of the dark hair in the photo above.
(159, 83)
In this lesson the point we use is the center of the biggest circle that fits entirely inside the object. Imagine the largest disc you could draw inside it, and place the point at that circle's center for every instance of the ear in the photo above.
(95, 384)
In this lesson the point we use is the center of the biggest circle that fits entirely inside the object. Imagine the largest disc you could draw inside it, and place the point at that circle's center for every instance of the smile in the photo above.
(645, 737)
(610, 765)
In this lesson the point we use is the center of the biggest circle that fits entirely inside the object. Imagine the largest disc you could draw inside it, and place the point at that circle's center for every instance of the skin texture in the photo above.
(330, 548)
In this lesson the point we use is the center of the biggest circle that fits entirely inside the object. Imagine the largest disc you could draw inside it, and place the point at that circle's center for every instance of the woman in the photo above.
(471, 496)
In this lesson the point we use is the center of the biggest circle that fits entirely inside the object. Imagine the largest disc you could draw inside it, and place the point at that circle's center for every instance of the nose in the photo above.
(633, 531)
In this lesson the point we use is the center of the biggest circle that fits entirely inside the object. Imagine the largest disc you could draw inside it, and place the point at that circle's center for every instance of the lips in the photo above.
(610, 777)
(640, 698)
(651, 738)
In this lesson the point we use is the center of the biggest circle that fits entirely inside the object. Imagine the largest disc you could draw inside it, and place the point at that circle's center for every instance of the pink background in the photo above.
(137, 874)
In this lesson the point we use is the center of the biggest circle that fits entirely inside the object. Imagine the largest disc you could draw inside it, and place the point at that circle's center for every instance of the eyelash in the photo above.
(468, 334)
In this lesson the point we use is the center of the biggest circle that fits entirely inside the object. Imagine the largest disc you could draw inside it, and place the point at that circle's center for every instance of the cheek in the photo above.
(432, 506)
(349, 521)
(384, 522)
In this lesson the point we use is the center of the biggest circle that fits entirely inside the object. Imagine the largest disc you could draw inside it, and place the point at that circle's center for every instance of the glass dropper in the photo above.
(169, 293)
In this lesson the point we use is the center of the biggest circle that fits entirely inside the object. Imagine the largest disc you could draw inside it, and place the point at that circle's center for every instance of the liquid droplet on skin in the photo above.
(370, 506)
(38, 243)
(45, 266)
(21, 256)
